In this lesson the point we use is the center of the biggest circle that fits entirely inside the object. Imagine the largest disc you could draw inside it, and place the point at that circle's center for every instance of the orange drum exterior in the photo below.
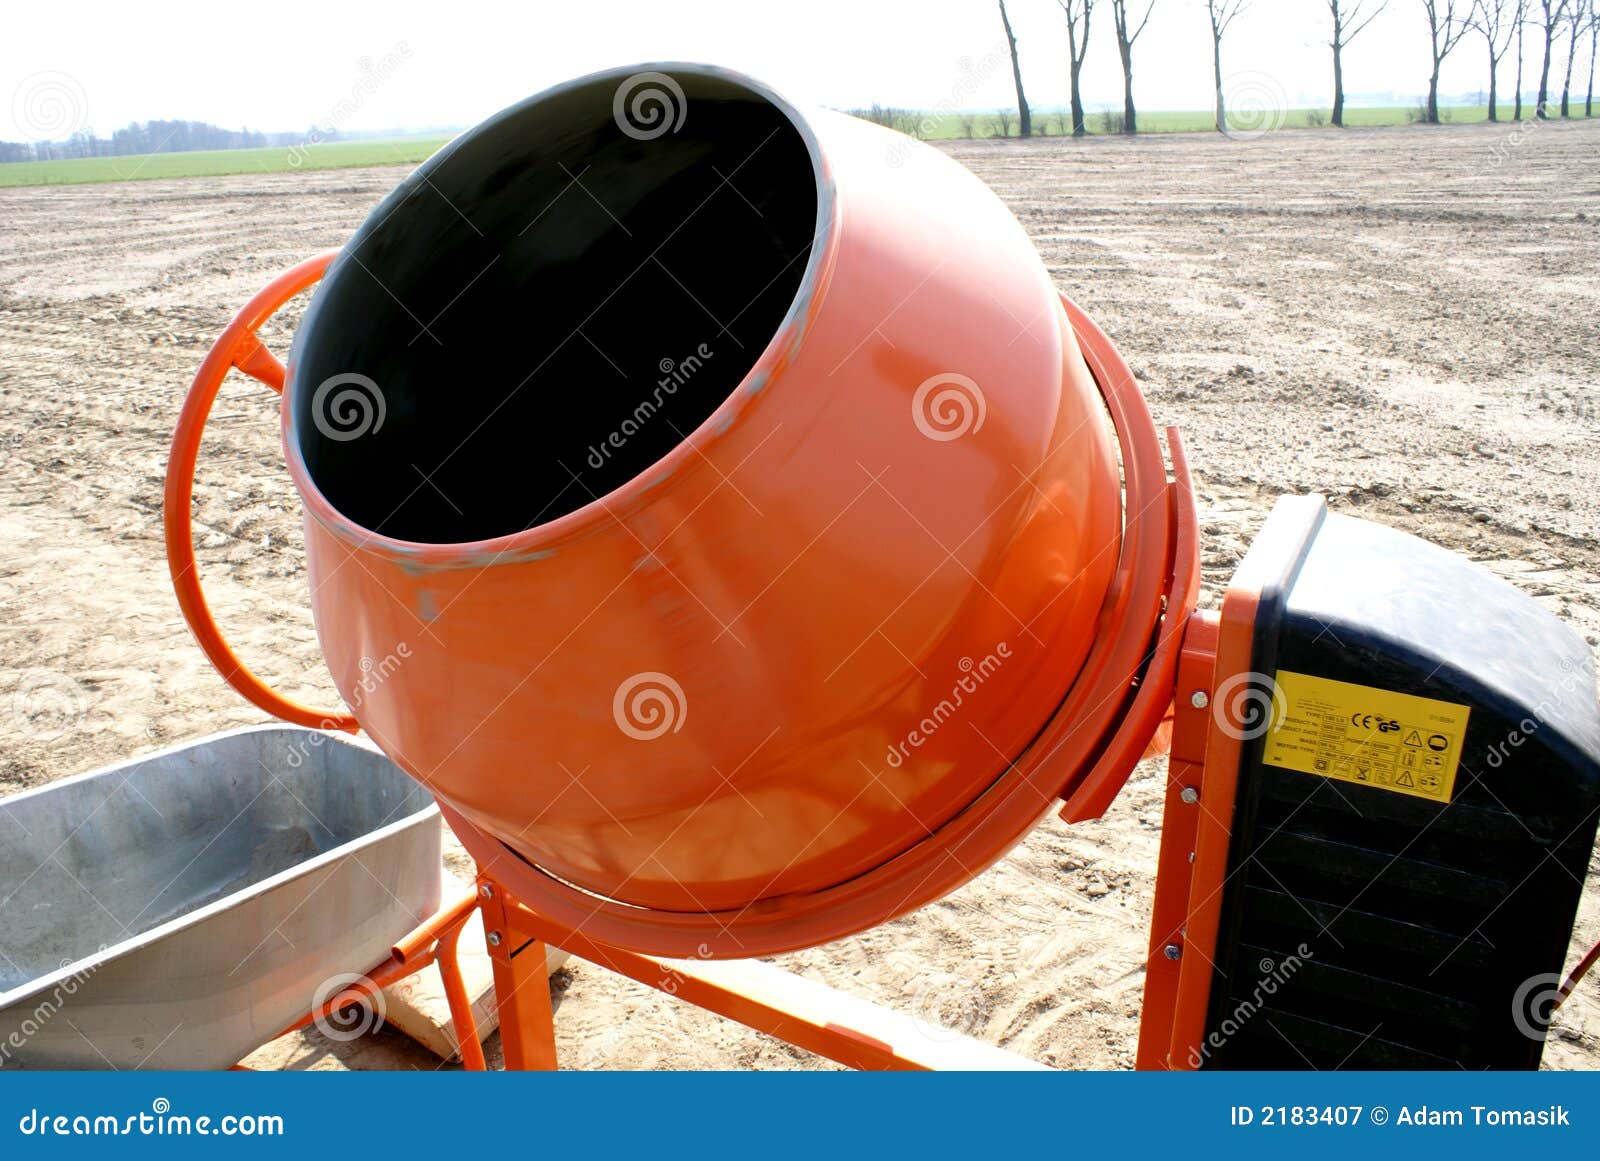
(814, 632)
(777, 686)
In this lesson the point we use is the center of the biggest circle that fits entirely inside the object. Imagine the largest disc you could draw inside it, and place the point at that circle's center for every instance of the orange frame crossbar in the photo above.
(851, 1031)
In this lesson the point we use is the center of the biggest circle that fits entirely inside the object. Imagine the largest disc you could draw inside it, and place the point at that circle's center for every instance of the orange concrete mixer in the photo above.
(717, 508)
(741, 497)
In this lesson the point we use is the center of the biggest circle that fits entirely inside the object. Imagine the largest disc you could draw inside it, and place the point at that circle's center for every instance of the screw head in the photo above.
(486, 892)
(1190, 795)
(494, 939)
(1198, 699)
(1172, 951)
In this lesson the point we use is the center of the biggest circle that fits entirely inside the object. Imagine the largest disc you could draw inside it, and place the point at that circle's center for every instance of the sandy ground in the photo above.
(1404, 319)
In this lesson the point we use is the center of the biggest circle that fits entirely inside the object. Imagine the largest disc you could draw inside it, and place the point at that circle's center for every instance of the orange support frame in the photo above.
(521, 982)
(1180, 826)
(851, 1031)
(842, 1028)
(434, 942)
(1202, 782)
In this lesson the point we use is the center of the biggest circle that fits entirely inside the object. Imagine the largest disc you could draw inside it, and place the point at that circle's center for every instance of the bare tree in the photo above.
(1577, 24)
(1522, 23)
(1222, 13)
(1548, 15)
(1446, 26)
(1127, 33)
(1349, 18)
(1024, 120)
(1496, 19)
(1594, 43)
(1078, 13)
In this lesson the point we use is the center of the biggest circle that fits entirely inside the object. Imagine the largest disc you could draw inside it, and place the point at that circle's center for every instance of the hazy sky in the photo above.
(291, 63)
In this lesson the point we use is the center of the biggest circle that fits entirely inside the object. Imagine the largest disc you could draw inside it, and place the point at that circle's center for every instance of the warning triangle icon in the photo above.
(1413, 738)
(1404, 779)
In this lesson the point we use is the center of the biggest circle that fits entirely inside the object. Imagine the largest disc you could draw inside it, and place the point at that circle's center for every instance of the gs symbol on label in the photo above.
(1383, 725)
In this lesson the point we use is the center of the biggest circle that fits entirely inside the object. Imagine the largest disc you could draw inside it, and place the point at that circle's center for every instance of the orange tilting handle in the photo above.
(238, 347)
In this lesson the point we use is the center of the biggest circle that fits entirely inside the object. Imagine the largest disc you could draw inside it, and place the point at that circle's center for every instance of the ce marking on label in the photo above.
(1384, 725)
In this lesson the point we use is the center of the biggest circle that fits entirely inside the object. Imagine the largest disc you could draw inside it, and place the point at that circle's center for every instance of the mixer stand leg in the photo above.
(521, 985)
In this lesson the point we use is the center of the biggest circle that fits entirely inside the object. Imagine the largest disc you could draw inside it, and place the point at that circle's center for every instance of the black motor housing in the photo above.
(1411, 837)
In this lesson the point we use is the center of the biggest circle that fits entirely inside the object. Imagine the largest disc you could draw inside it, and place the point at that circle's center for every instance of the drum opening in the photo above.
(552, 303)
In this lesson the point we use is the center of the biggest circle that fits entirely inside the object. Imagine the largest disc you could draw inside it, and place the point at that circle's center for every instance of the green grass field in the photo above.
(411, 150)
(217, 162)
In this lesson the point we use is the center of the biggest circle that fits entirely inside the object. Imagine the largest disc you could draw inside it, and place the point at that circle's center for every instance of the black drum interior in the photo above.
(551, 304)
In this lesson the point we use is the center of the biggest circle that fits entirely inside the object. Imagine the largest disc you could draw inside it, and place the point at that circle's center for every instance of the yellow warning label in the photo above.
(1372, 737)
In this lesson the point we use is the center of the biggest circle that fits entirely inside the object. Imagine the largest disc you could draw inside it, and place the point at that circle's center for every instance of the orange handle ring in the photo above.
(239, 347)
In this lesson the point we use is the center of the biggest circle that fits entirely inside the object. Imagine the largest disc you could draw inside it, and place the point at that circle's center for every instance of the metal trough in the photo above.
(179, 910)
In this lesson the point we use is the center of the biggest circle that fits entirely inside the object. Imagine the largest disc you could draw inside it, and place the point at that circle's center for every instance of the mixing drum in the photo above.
(717, 508)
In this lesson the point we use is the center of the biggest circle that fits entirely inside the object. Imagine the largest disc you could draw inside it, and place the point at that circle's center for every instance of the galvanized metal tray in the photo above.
(179, 910)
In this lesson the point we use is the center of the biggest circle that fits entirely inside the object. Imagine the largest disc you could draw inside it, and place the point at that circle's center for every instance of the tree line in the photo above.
(1497, 23)
(147, 137)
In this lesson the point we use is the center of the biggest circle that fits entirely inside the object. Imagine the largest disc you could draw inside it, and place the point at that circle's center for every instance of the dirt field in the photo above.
(1404, 319)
